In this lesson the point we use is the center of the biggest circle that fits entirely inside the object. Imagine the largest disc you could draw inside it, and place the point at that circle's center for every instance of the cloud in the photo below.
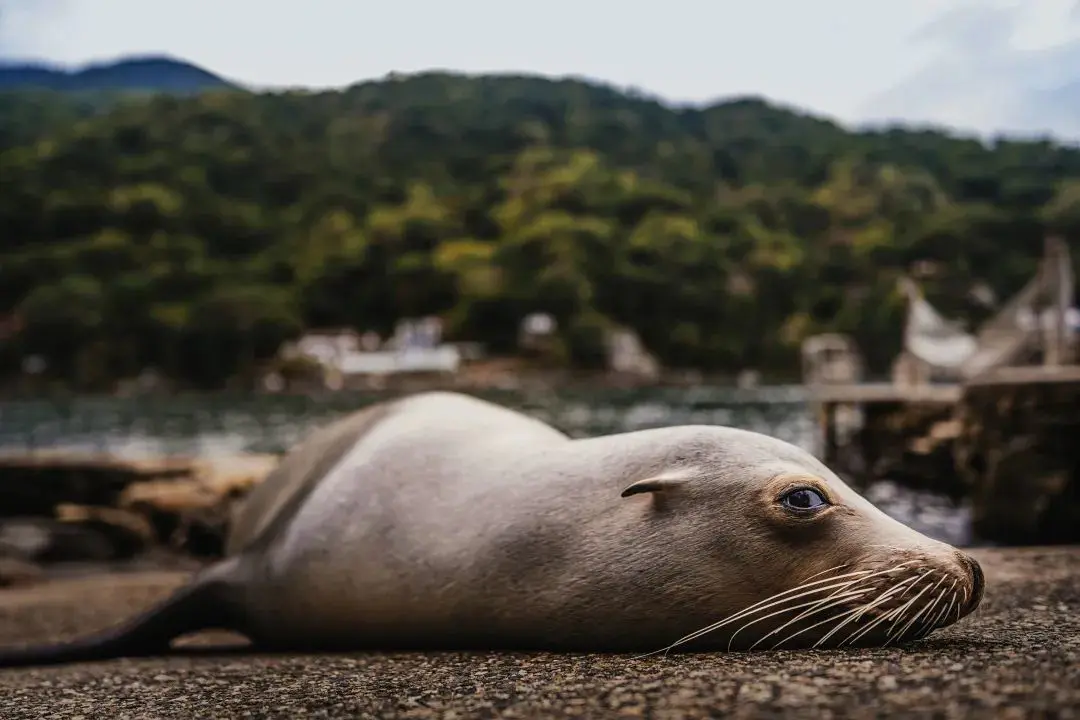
(972, 30)
(20, 20)
(999, 67)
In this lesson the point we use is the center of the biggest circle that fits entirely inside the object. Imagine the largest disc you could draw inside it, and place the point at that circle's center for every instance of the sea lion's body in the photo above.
(421, 532)
(443, 521)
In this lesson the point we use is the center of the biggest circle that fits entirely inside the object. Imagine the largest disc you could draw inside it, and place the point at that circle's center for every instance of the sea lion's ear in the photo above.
(657, 483)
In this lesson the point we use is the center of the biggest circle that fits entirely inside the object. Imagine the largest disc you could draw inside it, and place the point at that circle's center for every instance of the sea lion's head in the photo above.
(781, 553)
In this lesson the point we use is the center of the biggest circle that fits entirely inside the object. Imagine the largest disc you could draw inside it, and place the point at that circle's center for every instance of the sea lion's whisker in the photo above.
(901, 615)
(795, 634)
(901, 586)
(745, 612)
(895, 612)
(925, 609)
(909, 632)
(815, 608)
(944, 607)
(854, 613)
(849, 594)
(754, 608)
(819, 606)
(817, 574)
(859, 633)
(769, 602)
(774, 600)
(812, 611)
(914, 618)
(863, 609)
(928, 623)
(903, 609)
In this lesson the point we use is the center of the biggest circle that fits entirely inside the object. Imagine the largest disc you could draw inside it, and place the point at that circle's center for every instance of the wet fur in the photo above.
(443, 521)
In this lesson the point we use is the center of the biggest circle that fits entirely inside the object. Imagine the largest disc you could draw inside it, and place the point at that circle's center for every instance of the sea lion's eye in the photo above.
(802, 499)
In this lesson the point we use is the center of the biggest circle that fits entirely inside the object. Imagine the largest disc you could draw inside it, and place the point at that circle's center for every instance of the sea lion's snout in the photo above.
(976, 579)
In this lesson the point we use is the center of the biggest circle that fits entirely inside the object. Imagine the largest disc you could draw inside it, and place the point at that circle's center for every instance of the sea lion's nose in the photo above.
(978, 581)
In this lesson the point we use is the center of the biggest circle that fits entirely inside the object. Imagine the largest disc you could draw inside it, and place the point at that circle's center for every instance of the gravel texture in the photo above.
(1017, 656)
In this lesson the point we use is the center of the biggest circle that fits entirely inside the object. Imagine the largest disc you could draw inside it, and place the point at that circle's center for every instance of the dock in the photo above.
(1008, 441)
(992, 416)
(884, 393)
(1036, 374)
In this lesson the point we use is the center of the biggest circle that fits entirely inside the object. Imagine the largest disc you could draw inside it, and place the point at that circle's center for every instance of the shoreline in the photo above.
(495, 374)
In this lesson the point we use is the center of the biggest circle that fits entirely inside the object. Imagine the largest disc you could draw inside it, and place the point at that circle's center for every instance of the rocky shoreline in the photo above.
(63, 510)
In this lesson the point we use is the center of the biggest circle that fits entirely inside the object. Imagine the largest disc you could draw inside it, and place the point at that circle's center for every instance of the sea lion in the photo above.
(441, 521)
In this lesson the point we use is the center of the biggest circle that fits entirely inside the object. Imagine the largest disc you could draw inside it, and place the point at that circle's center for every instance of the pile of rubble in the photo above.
(59, 508)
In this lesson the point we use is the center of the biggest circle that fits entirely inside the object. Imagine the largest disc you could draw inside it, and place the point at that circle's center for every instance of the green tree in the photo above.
(196, 233)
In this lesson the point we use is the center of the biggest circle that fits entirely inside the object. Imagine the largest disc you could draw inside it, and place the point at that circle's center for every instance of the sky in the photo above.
(984, 66)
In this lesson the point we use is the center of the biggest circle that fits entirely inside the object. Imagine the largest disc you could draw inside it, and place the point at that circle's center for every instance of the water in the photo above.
(224, 424)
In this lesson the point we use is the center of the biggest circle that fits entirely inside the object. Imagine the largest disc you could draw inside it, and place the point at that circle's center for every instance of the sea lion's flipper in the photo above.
(202, 604)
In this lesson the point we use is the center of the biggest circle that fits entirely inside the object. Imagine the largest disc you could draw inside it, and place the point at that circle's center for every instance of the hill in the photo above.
(195, 233)
(150, 74)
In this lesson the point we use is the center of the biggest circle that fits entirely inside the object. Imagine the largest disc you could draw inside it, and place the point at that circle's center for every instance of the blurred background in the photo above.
(851, 225)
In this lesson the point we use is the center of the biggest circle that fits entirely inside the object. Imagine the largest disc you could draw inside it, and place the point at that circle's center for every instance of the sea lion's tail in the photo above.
(202, 604)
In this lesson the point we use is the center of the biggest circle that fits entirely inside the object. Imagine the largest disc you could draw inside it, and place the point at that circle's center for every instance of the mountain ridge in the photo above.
(161, 73)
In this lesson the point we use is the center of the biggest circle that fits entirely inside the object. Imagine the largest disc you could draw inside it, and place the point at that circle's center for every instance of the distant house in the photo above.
(831, 358)
(327, 346)
(627, 355)
(344, 355)
(536, 333)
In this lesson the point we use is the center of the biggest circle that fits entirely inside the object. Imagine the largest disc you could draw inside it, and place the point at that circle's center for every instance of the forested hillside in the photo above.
(192, 233)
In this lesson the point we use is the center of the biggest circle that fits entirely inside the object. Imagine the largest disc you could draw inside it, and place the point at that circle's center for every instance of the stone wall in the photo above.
(911, 444)
(1019, 455)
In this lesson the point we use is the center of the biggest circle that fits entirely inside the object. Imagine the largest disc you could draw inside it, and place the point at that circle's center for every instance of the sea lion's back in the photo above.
(406, 438)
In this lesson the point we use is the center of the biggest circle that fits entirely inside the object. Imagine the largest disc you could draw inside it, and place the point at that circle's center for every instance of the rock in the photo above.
(108, 508)
(1019, 457)
(128, 532)
(44, 540)
(193, 514)
(18, 573)
(23, 538)
(32, 483)
(185, 515)
(174, 497)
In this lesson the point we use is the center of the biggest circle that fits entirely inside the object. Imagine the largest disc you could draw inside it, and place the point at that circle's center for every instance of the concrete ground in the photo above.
(1018, 656)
